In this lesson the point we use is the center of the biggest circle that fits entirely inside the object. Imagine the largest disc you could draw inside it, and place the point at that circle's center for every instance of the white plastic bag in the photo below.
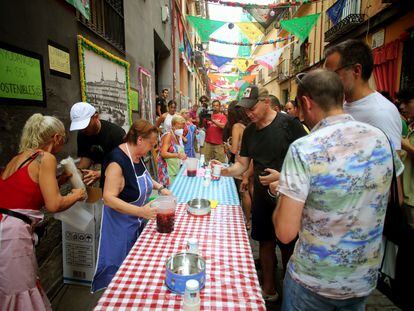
(77, 216)
(70, 168)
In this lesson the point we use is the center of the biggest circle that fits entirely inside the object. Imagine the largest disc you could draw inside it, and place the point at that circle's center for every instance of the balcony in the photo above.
(350, 18)
(299, 64)
(283, 70)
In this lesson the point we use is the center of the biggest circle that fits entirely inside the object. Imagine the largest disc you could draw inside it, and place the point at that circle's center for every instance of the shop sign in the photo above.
(59, 60)
(21, 76)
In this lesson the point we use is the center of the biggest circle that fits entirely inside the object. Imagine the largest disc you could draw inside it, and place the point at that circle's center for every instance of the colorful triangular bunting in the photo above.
(204, 27)
(218, 60)
(270, 59)
(300, 26)
(250, 30)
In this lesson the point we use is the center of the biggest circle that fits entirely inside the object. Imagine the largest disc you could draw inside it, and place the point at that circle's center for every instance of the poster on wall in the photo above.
(145, 94)
(105, 82)
(133, 96)
(59, 59)
(21, 76)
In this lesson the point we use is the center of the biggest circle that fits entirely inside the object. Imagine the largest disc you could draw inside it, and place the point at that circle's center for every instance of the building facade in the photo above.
(387, 26)
(142, 34)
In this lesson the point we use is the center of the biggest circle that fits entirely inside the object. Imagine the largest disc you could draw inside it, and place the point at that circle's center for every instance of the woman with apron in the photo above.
(127, 188)
(171, 152)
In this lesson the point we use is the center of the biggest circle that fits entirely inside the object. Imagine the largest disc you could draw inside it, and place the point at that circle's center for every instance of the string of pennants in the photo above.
(251, 44)
(300, 27)
(223, 86)
(267, 60)
(278, 5)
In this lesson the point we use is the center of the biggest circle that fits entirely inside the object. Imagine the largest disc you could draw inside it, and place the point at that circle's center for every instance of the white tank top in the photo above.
(167, 123)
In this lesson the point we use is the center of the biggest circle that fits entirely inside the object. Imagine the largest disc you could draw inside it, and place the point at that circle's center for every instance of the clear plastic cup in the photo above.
(216, 172)
(192, 164)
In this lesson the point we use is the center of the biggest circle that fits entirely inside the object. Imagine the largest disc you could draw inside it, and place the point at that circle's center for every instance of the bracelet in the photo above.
(275, 196)
(160, 189)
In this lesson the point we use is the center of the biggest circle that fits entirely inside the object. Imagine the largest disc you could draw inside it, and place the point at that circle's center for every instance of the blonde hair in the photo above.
(182, 111)
(39, 130)
(177, 120)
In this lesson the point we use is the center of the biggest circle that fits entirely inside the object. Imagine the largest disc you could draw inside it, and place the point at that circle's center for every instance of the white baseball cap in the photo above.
(80, 115)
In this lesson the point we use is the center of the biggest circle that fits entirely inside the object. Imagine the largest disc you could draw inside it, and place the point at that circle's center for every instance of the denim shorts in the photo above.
(297, 297)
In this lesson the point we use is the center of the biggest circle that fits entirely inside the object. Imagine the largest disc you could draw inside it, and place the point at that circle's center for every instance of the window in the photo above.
(107, 20)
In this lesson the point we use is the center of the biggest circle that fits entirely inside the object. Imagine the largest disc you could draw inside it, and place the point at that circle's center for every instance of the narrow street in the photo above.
(182, 154)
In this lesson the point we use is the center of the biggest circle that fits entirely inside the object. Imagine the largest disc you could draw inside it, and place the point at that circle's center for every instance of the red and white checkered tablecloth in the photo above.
(231, 279)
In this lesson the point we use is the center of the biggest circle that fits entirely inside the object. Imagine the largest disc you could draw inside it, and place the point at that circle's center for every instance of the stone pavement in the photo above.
(76, 297)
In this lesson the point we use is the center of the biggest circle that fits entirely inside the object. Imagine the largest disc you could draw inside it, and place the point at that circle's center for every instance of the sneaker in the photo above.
(270, 297)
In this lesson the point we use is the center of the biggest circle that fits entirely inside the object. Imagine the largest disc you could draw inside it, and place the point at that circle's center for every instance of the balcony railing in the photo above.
(283, 70)
(298, 64)
(350, 18)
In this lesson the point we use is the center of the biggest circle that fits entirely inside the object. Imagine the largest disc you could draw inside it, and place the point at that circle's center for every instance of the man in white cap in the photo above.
(96, 138)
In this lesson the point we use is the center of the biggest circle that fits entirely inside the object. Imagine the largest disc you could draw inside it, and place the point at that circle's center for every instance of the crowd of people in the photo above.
(314, 178)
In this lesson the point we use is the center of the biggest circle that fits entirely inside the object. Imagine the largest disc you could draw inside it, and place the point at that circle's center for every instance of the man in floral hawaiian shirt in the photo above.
(334, 188)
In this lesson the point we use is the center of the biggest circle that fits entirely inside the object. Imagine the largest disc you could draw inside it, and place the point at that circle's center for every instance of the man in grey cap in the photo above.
(96, 138)
(265, 140)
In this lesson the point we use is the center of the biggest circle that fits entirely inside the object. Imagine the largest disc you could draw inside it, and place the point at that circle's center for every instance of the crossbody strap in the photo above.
(394, 194)
(18, 215)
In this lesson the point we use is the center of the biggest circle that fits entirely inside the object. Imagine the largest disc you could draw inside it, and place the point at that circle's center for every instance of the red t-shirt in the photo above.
(214, 134)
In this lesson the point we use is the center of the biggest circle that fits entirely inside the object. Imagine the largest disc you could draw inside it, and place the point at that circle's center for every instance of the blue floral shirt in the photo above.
(342, 171)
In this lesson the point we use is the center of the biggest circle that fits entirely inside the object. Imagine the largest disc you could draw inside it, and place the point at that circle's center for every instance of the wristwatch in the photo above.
(160, 189)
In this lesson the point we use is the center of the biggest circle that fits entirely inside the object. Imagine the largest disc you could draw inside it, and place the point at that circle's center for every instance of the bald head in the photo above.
(323, 87)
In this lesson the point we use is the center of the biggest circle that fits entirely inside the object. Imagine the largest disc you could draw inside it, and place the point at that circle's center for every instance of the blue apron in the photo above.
(119, 233)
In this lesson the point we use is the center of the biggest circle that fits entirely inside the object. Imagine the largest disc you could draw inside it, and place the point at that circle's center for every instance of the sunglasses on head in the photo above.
(299, 80)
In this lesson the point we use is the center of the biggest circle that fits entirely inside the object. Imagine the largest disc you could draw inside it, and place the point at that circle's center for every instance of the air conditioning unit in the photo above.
(165, 14)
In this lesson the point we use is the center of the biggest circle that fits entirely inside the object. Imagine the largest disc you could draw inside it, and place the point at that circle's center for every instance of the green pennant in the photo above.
(241, 90)
(244, 51)
(300, 26)
(82, 6)
(204, 27)
(231, 79)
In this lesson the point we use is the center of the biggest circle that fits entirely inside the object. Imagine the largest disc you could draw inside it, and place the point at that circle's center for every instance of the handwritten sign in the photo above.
(21, 76)
(59, 60)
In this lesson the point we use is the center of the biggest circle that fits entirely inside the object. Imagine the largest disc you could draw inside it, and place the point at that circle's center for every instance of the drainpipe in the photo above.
(321, 52)
(173, 14)
(314, 36)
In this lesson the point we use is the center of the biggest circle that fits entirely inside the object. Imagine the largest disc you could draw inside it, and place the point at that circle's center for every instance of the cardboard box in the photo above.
(80, 248)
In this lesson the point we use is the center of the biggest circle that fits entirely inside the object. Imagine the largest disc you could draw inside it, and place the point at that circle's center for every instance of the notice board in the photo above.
(21, 76)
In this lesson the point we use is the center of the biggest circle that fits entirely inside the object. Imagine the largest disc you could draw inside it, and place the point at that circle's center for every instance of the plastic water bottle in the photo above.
(207, 177)
(202, 160)
(191, 301)
(192, 246)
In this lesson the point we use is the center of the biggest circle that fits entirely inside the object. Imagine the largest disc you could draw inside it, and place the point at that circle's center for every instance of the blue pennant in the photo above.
(219, 60)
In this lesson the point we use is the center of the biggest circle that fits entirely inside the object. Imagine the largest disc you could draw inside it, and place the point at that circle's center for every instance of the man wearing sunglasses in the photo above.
(333, 188)
(265, 140)
(353, 62)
